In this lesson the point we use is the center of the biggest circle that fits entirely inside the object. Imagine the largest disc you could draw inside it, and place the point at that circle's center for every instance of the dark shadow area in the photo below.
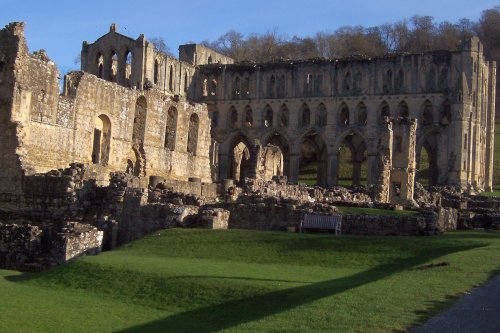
(230, 314)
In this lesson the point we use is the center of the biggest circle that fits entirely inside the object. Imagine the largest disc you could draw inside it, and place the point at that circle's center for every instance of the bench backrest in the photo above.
(329, 222)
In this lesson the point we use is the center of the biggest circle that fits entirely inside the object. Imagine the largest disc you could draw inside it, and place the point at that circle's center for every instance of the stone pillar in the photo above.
(356, 173)
(372, 170)
(224, 166)
(382, 184)
(490, 127)
(403, 161)
(333, 170)
(294, 168)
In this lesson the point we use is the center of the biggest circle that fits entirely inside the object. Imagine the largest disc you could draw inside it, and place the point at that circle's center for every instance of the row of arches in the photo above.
(314, 166)
(274, 85)
(101, 144)
(115, 66)
(427, 115)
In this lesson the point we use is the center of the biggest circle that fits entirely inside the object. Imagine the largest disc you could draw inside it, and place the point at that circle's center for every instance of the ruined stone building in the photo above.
(132, 108)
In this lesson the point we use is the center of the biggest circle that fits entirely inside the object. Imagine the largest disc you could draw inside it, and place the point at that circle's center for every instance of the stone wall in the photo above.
(76, 239)
(19, 244)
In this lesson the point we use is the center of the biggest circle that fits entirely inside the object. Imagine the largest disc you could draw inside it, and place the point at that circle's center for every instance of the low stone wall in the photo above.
(76, 239)
(194, 187)
(383, 225)
(19, 244)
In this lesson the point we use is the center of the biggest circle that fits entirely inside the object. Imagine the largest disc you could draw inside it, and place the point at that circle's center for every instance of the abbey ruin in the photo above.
(135, 123)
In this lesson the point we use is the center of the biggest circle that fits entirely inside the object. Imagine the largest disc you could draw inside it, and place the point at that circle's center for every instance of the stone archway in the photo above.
(276, 156)
(101, 140)
(427, 159)
(240, 159)
(313, 160)
(352, 168)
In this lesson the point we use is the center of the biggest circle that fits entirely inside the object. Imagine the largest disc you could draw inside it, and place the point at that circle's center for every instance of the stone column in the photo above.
(356, 173)
(333, 170)
(294, 168)
(224, 165)
(372, 170)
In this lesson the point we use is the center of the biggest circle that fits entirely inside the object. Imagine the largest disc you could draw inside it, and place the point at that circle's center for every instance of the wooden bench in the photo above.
(322, 222)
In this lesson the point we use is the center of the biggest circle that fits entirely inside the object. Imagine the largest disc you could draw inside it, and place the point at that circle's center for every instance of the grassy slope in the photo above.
(204, 281)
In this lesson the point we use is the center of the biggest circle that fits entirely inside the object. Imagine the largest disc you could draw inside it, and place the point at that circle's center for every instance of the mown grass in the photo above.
(249, 281)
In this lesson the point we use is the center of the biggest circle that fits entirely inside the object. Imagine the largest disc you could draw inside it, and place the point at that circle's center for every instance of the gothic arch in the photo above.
(362, 114)
(321, 115)
(268, 116)
(101, 146)
(140, 114)
(344, 115)
(305, 115)
(193, 129)
(232, 117)
(403, 110)
(427, 114)
(384, 111)
(284, 120)
(171, 128)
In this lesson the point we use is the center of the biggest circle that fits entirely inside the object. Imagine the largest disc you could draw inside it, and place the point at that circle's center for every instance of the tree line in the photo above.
(414, 35)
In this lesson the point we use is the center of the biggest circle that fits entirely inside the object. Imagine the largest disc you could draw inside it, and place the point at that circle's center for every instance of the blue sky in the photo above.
(59, 27)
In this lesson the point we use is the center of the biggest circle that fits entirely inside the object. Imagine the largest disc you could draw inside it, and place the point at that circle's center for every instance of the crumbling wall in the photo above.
(19, 244)
(76, 239)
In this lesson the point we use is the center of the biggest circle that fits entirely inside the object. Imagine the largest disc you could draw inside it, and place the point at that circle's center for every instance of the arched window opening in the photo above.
(427, 117)
(204, 87)
(431, 79)
(246, 86)
(399, 81)
(272, 87)
(193, 134)
(385, 111)
(344, 115)
(268, 116)
(139, 128)
(100, 66)
(237, 87)
(387, 82)
(114, 67)
(346, 83)
(358, 83)
(362, 114)
(213, 87)
(427, 170)
(171, 78)
(308, 87)
(321, 115)
(240, 162)
(284, 116)
(185, 82)
(443, 78)
(281, 88)
(209, 60)
(445, 114)
(101, 141)
(306, 115)
(233, 117)
(403, 110)
(155, 74)
(171, 128)
(128, 68)
(248, 116)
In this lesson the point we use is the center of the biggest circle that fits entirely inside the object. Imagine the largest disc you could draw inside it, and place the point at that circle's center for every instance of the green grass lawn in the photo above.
(249, 281)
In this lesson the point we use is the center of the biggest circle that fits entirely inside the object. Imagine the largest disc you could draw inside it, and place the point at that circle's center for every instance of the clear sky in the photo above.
(60, 26)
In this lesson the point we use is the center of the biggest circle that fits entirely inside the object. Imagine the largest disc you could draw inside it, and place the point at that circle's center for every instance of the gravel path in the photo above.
(476, 312)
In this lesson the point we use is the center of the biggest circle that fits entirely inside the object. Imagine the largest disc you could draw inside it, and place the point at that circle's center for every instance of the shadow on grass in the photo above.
(233, 313)
(437, 307)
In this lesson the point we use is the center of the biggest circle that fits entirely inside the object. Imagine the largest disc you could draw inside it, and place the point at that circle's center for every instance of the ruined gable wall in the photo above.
(92, 97)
